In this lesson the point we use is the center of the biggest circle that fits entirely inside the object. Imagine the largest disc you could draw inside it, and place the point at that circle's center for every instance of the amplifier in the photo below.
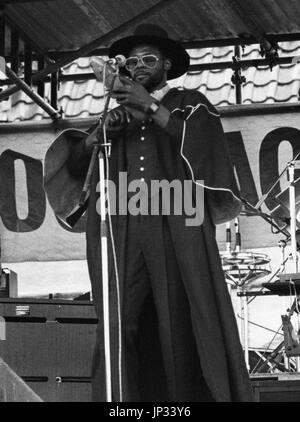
(49, 344)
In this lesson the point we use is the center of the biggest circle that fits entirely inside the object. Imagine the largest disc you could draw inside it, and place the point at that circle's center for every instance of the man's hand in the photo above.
(134, 97)
(117, 119)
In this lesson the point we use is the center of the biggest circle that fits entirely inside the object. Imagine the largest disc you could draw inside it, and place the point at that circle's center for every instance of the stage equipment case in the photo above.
(49, 344)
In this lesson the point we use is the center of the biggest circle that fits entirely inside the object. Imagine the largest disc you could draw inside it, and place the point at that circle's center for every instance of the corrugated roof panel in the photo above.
(70, 24)
(50, 29)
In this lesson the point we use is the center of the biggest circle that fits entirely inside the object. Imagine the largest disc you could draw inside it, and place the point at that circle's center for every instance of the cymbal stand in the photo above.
(243, 300)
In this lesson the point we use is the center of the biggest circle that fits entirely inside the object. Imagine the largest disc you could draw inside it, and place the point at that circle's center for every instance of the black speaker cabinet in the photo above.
(277, 388)
(49, 344)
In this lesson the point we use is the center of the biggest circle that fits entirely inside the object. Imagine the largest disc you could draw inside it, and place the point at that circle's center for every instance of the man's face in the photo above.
(150, 78)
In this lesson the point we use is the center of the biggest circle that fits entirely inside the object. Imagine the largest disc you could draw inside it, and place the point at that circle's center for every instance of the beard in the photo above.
(149, 80)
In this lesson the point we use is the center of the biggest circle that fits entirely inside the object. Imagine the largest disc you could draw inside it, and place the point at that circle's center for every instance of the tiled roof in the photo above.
(80, 99)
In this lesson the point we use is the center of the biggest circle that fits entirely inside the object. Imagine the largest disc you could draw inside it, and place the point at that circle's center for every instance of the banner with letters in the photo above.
(260, 146)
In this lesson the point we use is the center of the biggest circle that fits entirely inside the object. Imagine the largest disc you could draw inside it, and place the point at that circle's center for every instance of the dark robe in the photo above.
(192, 146)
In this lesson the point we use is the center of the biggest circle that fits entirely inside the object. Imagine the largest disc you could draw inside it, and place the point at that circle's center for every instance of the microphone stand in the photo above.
(103, 230)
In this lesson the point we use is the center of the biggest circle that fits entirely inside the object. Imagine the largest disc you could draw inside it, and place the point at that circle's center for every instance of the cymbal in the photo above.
(244, 258)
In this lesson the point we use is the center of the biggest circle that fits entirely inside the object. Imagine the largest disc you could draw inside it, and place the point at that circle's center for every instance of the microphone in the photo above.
(98, 64)
(119, 60)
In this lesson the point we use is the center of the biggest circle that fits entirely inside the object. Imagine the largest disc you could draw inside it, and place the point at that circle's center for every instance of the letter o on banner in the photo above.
(35, 192)
(268, 159)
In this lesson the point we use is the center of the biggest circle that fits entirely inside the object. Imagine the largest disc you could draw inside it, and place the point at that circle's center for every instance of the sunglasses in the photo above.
(149, 60)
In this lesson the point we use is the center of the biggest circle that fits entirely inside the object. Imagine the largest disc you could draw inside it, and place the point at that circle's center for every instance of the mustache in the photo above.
(142, 71)
(141, 74)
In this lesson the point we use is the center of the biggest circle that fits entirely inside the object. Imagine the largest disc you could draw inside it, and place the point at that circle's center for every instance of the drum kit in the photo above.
(243, 268)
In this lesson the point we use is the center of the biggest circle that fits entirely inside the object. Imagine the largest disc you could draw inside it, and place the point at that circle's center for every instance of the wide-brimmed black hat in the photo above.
(157, 36)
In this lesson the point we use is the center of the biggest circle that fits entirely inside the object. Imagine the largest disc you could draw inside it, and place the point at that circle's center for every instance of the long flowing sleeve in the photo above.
(78, 160)
(65, 168)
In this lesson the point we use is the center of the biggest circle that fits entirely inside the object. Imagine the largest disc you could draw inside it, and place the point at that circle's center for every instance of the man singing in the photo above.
(173, 330)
